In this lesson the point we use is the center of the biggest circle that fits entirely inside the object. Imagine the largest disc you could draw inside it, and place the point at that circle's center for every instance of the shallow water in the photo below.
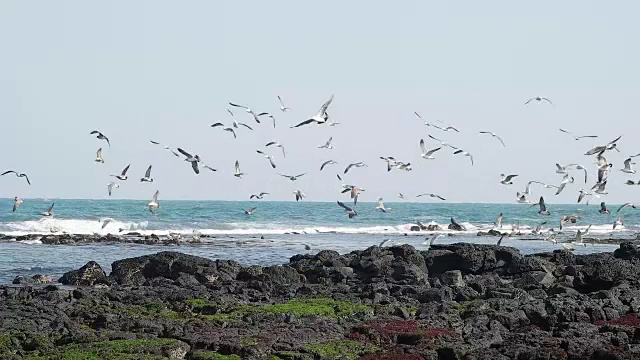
(238, 236)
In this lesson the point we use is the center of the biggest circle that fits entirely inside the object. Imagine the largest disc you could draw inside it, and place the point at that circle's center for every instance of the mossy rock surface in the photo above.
(151, 349)
(211, 355)
(340, 350)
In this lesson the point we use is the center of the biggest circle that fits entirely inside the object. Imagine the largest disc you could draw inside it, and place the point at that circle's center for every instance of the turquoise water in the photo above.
(275, 232)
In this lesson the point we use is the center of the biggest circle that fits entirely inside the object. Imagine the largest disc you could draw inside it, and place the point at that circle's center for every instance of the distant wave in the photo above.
(78, 226)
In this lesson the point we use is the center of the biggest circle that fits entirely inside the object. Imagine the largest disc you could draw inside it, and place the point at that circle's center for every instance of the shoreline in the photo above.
(452, 301)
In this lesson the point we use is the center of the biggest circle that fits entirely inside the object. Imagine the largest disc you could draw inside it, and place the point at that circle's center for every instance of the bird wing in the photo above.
(95, 132)
(547, 100)
(348, 167)
(8, 172)
(324, 164)
(440, 197)
(26, 178)
(543, 207)
(623, 206)
(422, 146)
(342, 205)
(217, 124)
(50, 208)
(237, 105)
(432, 151)
(300, 175)
(306, 122)
(509, 177)
(614, 140)
(237, 167)
(210, 168)
(245, 125)
(270, 143)
(154, 142)
(325, 106)
(124, 172)
(194, 166)
(283, 175)
(380, 203)
(627, 163)
(147, 174)
(280, 100)
(272, 162)
(560, 188)
(328, 143)
(435, 138)
(418, 115)
(528, 101)
(184, 153)
(99, 153)
(501, 141)
(155, 196)
(565, 131)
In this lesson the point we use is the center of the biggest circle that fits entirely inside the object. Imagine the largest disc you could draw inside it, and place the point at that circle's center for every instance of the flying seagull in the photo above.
(154, 203)
(495, 136)
(327, 145)
(543, 207)
(282, 107)
(17, 174)
(628, 167)
(248, 110)
(319, 118)
(624, 206)
(427, 154)
(401, 196)
(522, 199)
(249, 211)
(429, 242)
(100, 136)
(292, 177)
(299, 195)
(328, 162)
(268, 157)
(578, 137)
(258, 196)
(441, 142)
(194, 160)
(354, 192)
(106, 222)
(147, 175)
(123, 176)
(16, 203)
(611, 145)
(506, 180)
(111, 185)
(237, 173)
(154, 142)
(582, 194)
(277, 144)
(380, 206)
(603, 209)
(231, 131)
(49, 211)
(465, 153)
(358, 164)
(273, 119)
(99, 158)
(350, 212)
(431, 195)
(539, 99)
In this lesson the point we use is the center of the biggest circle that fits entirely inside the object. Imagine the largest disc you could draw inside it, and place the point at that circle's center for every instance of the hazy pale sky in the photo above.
(165, 70)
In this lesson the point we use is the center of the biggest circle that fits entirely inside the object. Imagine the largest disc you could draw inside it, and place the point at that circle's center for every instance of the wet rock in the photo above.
(89, 275)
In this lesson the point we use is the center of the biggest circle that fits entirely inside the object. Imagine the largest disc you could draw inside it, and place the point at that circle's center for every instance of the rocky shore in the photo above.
(460, 301)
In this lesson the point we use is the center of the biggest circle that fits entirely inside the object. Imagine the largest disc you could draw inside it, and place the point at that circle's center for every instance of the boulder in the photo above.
(90, 274)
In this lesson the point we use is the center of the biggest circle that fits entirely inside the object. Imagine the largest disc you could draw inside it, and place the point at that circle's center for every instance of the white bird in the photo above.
(234, 123)
(465, 153)
(350, 212)
(259, 196)
(248, 110)
(327, 145)
(16, 203)
(194, 160)
(494, 135)
(282, 107)
(578, 137)
(429, 241)
(579, 167)
(154, 204)
(539, 99)
(268, 157)
(49, 211)
(566, 179)
(111, 185)
(618, 222)
(99, 156)
(431, 195)
(631, 205)
(561, 169)
(123, 175)
(292, 177)
(320, 118)
(237, 173)
(628, 167)
(328, 162)
(147, 175)
(299, 195)
(498, 222)
(611, 145)
(506, 179)
(277, 144)
(249, 211)
(358, 164)
(582, 194)
(543, 207)
(172, 151)
(527, 189)
(106, 222)
(380, 206)
(522, 199)
(427, 154)
(441, 142)
(601, 188)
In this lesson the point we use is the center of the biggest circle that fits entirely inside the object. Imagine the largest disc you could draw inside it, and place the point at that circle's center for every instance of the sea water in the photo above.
(275, 231)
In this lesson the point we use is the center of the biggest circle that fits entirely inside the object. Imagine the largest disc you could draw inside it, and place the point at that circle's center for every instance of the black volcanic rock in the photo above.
(459, 301)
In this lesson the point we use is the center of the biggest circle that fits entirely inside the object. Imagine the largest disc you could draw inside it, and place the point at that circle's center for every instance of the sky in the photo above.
(166, 70)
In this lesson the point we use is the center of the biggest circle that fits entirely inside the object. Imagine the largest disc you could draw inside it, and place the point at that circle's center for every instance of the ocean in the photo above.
(275, 232)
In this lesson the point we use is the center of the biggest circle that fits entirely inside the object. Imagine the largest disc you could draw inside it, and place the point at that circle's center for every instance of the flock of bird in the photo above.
(322, 118)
